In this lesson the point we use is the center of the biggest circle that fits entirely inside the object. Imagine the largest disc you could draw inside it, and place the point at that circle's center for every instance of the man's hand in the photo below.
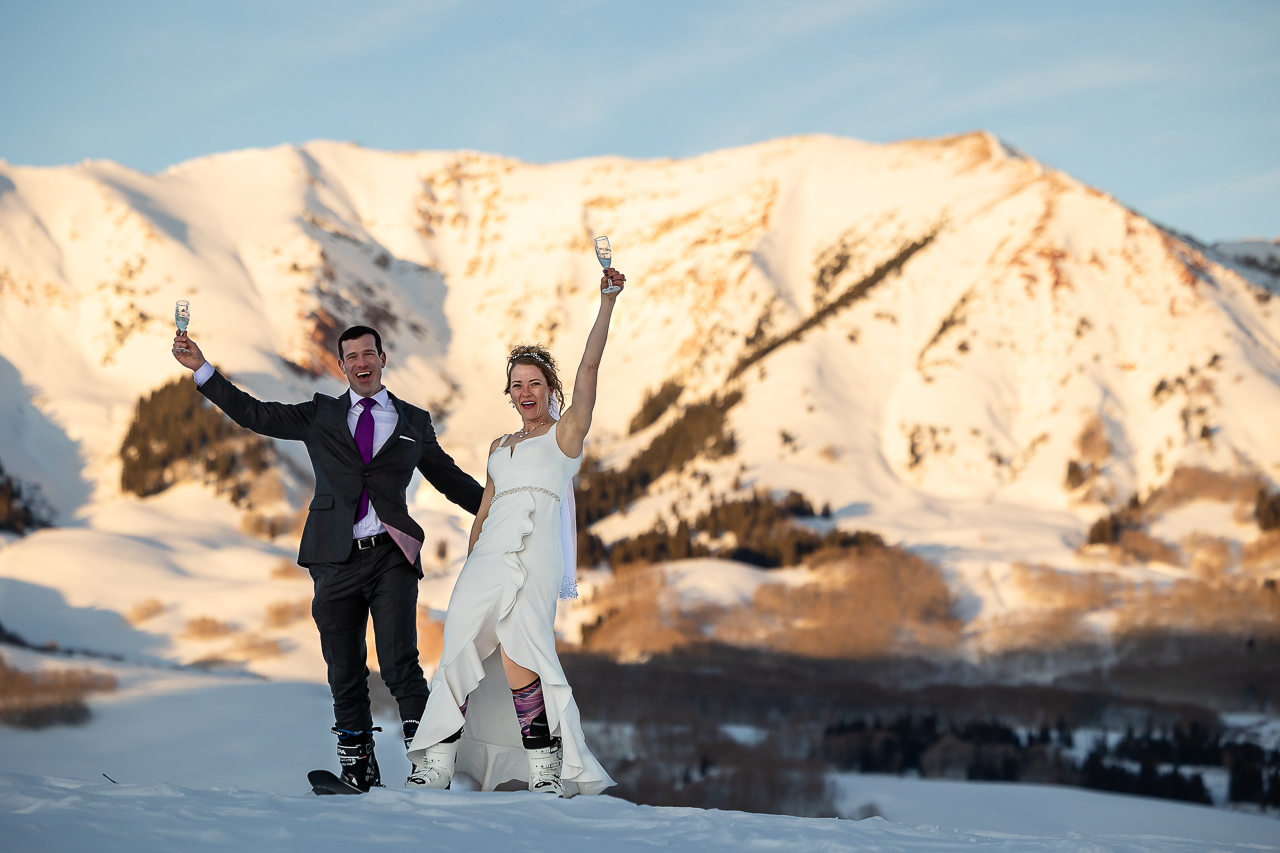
(187, 352)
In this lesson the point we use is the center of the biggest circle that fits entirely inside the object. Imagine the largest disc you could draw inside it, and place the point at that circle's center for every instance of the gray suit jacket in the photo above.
(341, 474)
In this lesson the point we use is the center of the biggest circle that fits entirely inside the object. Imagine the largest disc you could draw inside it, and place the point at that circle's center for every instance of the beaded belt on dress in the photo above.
(506, 492)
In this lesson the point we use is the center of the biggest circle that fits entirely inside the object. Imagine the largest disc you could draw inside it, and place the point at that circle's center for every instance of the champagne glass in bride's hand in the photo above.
(182, 317)
(605, 255)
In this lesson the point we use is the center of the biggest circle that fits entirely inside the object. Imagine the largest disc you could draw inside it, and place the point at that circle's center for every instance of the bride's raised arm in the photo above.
(574, 423)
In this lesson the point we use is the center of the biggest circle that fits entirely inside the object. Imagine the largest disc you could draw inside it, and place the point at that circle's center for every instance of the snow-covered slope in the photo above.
(1259, 255)
(70, 814)
(215, 761)
(925, 336)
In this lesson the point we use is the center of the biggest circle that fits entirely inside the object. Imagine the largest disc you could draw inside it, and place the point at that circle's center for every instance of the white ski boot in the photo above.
(435, 768)
(544, 769)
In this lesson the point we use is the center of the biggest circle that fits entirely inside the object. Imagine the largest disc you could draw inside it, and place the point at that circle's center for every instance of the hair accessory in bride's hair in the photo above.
(537, 354)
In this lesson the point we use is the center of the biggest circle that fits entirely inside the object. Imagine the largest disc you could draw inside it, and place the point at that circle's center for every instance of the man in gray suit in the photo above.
(359, 543)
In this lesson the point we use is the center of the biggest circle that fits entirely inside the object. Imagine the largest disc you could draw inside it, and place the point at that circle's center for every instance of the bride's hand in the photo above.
(616, 279)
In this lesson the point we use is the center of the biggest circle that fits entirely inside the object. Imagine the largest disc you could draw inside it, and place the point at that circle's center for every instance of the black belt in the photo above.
(367, 542)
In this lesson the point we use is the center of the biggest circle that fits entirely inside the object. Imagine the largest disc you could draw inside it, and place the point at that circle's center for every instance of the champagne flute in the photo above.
(604, 254)
(182, 317)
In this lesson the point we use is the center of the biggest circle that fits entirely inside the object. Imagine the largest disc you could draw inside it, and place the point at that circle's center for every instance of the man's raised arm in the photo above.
(277, 420)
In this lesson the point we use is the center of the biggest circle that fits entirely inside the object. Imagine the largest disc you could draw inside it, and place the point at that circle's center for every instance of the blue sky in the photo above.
(1173, 107)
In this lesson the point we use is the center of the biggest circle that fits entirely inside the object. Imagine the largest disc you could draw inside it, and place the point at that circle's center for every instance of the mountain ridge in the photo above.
(926, 335)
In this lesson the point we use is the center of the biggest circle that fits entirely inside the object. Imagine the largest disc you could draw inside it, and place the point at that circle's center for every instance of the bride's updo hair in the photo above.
(541, 358)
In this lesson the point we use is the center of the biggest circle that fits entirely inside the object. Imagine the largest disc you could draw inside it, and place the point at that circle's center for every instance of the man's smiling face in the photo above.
(362, 364)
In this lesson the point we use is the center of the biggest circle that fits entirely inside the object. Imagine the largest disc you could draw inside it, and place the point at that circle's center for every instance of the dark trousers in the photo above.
(380, 582)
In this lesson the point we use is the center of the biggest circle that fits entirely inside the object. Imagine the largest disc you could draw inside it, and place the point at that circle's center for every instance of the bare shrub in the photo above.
(34, 700)
(430, 638)
(144, 610)
(1140, 545)
(214, 662)
(1076, 475)
(281, 614)
(949, 758)
(206, 628)
(1076, 591)
(1092, 441)
(254, 647)
(1066, 598)
(1106, 530)
(865, 599)
(288, 570)
(1192, 484)
(634, 621)
(1264, 552)
(862, 603)
(1207, 556)
(864, 811)
(1267, 510)
(1052, 633)
(1124, 529)
(381, 703)
(1234, 607)
(266, 526)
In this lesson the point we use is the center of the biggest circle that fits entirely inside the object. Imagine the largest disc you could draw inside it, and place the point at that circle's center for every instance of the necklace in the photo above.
(522, 433)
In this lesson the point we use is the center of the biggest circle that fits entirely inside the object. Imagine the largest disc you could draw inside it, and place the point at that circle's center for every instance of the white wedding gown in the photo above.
(506, 595)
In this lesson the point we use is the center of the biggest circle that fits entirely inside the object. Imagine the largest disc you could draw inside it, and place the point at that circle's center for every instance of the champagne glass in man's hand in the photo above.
(604, 254)
(182, 318)
(185, 349)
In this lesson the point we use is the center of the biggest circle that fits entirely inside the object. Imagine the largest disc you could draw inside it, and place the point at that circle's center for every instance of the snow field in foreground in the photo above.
(216, 761)
(51, 814)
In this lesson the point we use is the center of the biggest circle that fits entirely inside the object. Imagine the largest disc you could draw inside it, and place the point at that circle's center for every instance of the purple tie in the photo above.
(364, 443)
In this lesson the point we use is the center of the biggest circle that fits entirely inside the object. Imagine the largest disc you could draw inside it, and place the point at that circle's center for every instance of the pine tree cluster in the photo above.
(176, 433)
(699, 431)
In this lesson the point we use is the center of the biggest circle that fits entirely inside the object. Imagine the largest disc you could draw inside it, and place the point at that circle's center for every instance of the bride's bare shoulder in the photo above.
(497, 442)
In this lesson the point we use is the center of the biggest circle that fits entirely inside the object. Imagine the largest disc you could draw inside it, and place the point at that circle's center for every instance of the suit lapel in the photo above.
(341, 408)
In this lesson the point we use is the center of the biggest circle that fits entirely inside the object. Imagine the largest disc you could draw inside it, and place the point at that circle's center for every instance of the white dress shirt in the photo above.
(384, 423)
(385, 418)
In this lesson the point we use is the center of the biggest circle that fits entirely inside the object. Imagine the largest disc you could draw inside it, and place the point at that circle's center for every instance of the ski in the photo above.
(323, 782)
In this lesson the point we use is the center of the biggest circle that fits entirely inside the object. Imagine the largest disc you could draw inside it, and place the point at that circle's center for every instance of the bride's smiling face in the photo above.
(528, 390)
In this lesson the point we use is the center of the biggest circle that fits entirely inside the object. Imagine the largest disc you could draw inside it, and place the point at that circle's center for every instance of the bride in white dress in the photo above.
(500, 707)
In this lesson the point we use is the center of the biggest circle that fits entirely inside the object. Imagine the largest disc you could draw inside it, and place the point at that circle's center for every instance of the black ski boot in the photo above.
(410, 729)
(359, 765)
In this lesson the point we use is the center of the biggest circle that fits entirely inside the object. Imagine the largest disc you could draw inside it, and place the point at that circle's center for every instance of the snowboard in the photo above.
(323, 782)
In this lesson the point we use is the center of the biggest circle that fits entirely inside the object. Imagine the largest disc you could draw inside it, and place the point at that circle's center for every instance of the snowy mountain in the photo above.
(948, 343)
(1260, 255)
